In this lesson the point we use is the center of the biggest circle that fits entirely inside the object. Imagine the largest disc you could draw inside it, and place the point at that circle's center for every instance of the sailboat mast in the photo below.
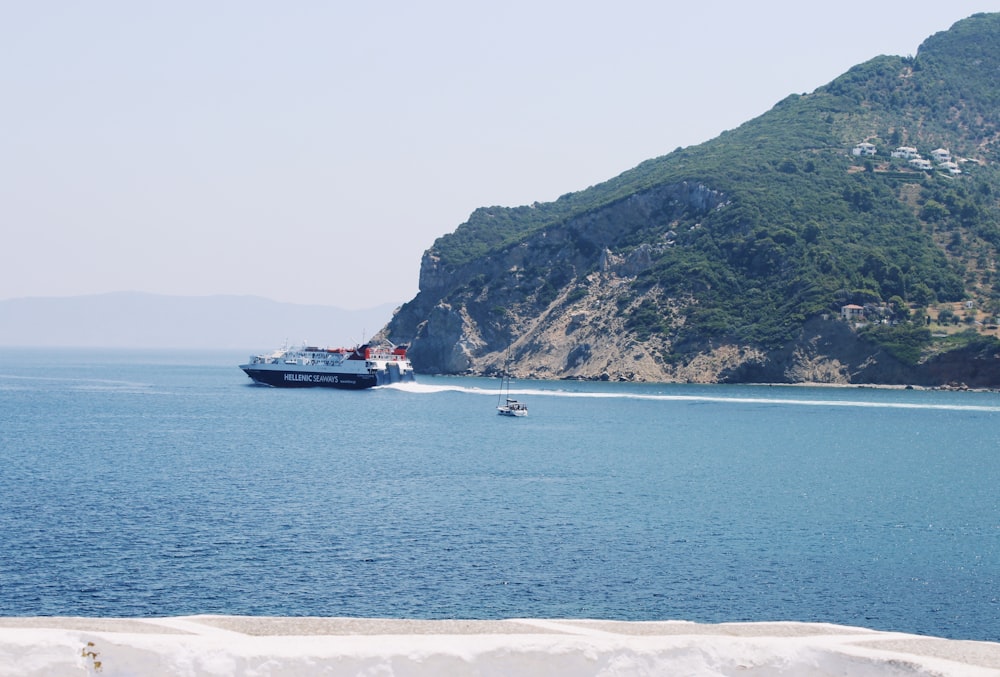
(503, 377)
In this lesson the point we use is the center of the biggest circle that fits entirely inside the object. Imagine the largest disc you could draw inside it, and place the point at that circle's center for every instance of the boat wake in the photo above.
(18, 382)
(424, 389)
(795, 402)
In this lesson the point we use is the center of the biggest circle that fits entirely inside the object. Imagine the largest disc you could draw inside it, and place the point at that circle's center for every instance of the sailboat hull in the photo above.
(512, 408)
(504, 411)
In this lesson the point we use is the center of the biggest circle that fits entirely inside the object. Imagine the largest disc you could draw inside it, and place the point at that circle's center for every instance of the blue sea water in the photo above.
(164, 483)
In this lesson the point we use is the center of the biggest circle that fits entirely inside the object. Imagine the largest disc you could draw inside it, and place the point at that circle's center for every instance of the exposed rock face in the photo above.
(554, 296)
(828, 351)
(588, 340)
(448, 341)
(561, 301)
(973, 367)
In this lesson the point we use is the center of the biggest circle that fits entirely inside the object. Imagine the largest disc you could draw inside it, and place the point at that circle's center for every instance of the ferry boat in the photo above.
(310, 366)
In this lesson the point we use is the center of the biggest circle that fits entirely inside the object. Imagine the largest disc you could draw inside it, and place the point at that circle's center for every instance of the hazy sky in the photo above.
(311, 151)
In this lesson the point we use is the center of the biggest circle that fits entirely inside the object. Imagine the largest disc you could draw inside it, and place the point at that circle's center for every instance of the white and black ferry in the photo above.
(310, 366)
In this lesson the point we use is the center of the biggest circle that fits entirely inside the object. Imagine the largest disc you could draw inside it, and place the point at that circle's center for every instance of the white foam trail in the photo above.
(422, 388)
(17, 382)
(68, 379)
(813, 403)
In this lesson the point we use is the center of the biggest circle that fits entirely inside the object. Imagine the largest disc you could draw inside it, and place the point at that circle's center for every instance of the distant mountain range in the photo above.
(140, 320)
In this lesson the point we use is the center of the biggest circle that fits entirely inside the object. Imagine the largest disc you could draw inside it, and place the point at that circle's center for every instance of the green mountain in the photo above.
(780, 251)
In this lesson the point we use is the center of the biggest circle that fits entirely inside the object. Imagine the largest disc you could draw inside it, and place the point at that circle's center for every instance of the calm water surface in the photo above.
(163, 483)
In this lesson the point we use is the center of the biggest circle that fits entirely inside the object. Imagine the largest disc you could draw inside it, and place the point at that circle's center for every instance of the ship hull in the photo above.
(287, 378)
(280, 378)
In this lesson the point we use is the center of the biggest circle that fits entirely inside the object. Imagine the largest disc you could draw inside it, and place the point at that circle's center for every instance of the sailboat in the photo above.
(505, 405)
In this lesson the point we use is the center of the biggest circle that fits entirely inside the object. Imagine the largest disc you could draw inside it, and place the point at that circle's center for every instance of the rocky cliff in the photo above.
(555, 298)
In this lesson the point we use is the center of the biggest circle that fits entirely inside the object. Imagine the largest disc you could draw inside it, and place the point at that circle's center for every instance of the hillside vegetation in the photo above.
(734, 259)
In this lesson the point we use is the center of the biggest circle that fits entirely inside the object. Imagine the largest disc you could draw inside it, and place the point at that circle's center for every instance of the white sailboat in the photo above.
(505, 405)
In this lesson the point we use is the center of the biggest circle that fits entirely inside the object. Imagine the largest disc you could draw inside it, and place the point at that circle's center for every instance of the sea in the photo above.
(162, 483)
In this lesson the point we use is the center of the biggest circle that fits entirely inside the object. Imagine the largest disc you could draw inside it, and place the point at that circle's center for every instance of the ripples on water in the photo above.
(163, 483)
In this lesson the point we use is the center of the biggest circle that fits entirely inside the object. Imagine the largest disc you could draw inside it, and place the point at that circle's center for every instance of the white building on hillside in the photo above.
(852, 311)
(864, 148)
(905, 152)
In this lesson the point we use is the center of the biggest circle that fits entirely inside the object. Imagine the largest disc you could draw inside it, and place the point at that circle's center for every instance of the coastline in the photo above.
(960, 387)
(225, 645)
(951, 387)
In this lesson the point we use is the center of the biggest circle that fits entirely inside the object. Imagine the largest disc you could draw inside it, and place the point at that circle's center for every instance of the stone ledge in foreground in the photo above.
(579, 647)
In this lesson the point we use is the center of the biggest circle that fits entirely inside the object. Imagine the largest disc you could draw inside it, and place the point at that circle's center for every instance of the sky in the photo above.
(310, 152)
